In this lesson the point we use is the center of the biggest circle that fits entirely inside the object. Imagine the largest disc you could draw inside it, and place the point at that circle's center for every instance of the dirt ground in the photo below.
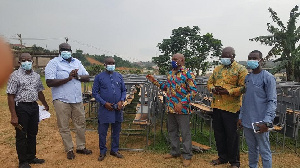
(50, 148)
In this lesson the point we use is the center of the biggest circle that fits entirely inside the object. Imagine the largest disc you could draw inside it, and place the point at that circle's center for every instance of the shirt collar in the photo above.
(233, 64)
(23, 71)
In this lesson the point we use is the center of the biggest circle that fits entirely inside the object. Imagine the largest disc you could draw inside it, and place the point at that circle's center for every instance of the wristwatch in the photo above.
(78, 77)
(269, 125)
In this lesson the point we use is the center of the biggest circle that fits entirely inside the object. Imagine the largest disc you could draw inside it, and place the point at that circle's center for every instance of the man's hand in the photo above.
(178, 108)
(150, 78)
(120, 105)
(14, 121)
(262, 128)
(239, 124)
(46, 107)
(108, 106)
(73, 74)
(220, 90)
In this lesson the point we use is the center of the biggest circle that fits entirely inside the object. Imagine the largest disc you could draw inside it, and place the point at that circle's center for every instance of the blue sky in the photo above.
(131, 29)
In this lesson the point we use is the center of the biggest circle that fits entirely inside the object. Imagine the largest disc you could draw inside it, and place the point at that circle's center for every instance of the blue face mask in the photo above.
(65, 54)
(26, 65)
(110, 67)
(253, 64)
(226, 61)
(174, 64)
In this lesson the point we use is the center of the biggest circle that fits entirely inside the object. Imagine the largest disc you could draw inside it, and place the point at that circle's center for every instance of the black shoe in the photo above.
(36, 161)
(84, 151)
(116, 154)
(101, 157)
(70, 155)
(24, 165)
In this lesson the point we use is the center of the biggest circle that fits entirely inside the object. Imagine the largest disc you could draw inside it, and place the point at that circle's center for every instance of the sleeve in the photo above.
(50, 70)
(242, 107)
(270, 88)
(240, 88)
(83, 70)
(96, 91)
(210, 82)
(123, 89)
(191, 88)
(40, 86)
(12, 84)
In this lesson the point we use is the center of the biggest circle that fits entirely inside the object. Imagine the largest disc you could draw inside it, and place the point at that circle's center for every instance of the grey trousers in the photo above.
(176, 123)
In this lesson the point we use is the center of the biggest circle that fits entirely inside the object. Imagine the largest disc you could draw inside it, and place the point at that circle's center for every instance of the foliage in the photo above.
(80, 56)
(283, 40)
(195, 47)
(118, 61)
(94, 69)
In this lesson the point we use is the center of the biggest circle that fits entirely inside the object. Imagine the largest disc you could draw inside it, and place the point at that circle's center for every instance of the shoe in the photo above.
(217, 162)
(186, 162)
(101, 157)
(24, 165)
(36, 161)
(70, 155)
(169, 156)
(84, 151)
(116, 154)
(234, 166)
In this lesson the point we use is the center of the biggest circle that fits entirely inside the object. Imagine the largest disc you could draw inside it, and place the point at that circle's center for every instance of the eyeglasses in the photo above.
(26, 60)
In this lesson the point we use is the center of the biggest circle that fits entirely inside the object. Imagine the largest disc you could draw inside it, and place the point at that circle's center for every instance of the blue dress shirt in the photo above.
(260, 99)
(58, 68)
(109, 88)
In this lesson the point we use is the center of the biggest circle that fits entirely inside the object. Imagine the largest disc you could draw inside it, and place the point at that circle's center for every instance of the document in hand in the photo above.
(43, 113)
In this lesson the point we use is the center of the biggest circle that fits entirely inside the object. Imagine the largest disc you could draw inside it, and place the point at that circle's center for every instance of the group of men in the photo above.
(228, 83)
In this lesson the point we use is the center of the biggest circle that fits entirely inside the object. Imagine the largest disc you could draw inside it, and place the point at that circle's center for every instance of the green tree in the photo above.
(94, 69)
(195, 47)
(283, 40)
(80, 56)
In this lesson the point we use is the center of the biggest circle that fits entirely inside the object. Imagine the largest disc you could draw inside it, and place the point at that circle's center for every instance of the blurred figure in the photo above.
(24, 88)
(64, 75)
(180, 89)
(6, 64)
(227, 85)
(109, 89)
(259, 105)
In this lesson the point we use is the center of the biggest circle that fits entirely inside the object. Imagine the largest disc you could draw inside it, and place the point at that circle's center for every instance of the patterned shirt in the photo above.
(58, 68)
(231, 78)
(180, 88)
(24, 86)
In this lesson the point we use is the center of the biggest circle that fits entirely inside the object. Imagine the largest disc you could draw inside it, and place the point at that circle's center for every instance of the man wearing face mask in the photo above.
(181, 90)
(259, 105)
(109, 90)
(24, 88)
(64, 75)
(227, 85)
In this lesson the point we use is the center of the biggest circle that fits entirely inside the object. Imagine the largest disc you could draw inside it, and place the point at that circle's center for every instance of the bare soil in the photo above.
(50, 148)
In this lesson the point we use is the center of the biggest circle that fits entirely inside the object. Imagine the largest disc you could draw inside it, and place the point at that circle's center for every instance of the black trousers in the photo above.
(226, 136)
(28, 118)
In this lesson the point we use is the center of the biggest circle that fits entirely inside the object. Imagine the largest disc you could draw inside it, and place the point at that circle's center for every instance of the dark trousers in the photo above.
(28, 118)
(226, 136)
(115, 136)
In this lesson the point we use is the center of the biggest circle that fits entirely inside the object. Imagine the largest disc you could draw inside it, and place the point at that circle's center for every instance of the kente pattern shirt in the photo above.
(231, 78)
(24, 86)
(180, 88)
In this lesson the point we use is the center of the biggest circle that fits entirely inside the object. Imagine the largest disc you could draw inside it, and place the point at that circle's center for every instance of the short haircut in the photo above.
(256, 51)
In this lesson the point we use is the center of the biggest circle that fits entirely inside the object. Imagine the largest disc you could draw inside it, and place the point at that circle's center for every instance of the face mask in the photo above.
(174, 64)
(26, 65)
(110, 67)
(226, 61)
(66, 54)
(253, 64)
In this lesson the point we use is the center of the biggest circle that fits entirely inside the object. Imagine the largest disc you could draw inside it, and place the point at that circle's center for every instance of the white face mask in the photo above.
(226, 61)
(110, 67)
(65, 54)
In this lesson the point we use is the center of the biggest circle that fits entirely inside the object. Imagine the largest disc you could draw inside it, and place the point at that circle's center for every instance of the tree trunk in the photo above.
(290, 71)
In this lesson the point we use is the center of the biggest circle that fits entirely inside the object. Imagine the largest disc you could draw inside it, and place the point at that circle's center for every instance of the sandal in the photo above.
(217, 162)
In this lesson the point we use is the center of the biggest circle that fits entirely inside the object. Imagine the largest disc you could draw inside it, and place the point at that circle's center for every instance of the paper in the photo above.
(43, 114)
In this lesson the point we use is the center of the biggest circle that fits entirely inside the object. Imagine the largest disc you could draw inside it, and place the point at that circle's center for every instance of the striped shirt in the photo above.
(180, 88)
(24, 86)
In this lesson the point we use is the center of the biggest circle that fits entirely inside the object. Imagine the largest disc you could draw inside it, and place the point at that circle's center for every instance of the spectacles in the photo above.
(26, 60)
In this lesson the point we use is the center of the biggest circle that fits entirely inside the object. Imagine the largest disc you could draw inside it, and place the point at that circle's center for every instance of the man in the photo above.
(109, 89)
(259, 105)
(24, 88)
(65, 74)
(180, 89)
(227, 85)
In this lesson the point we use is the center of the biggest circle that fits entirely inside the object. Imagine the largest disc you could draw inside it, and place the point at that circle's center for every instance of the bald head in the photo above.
(109, 61)
(64, 47)
(229, 51)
